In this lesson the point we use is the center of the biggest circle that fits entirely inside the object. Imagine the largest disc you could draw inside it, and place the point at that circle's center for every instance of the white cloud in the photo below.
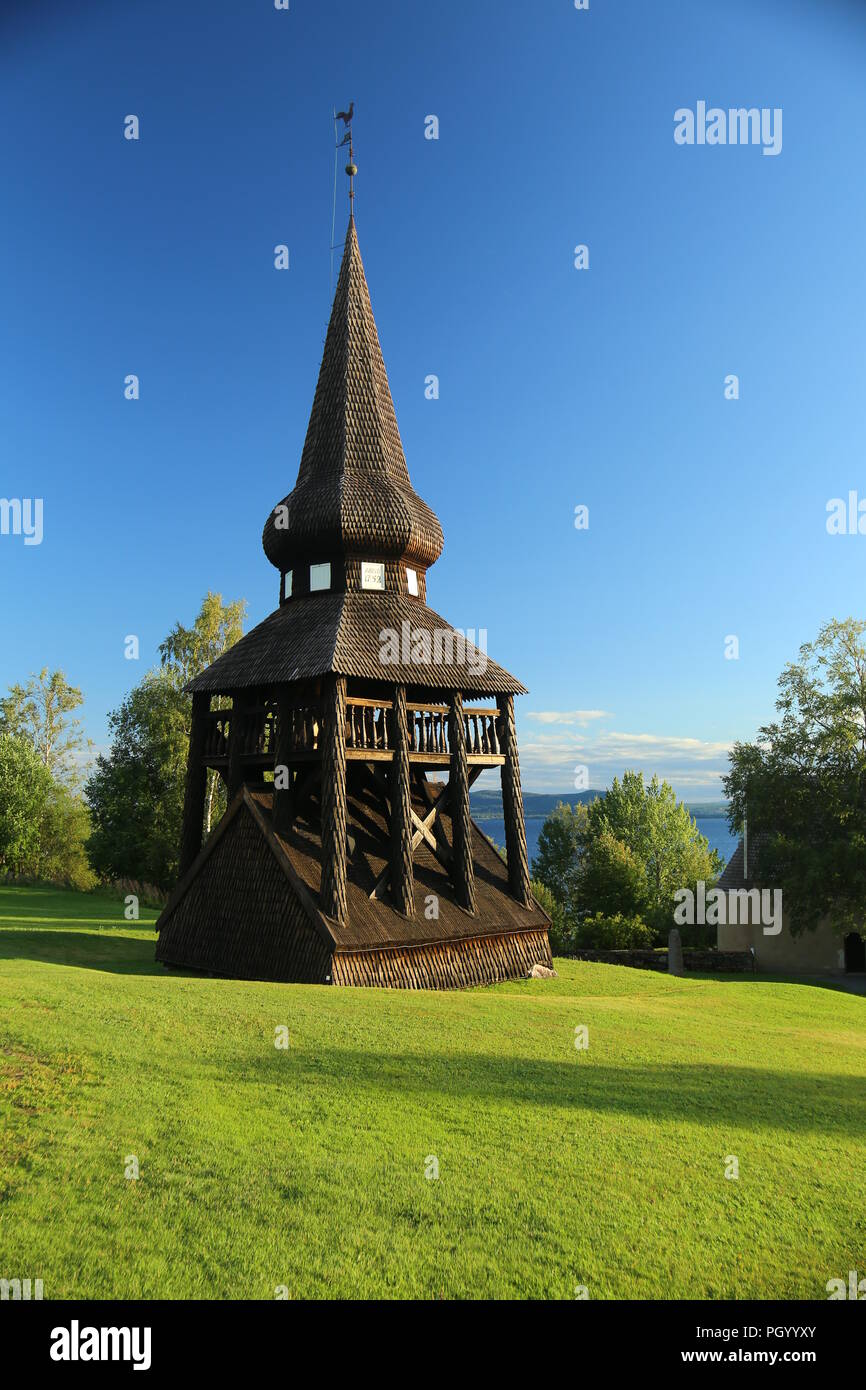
(548, 760)
(568, 716)
(655, 746)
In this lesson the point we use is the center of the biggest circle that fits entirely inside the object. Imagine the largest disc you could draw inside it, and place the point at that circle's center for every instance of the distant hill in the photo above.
(487, 804)
(708, 809)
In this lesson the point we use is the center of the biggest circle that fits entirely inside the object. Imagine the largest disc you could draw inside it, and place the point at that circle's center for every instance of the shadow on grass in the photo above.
(756, 1098)
(711, 1093)
(845, 984)
(112, 949)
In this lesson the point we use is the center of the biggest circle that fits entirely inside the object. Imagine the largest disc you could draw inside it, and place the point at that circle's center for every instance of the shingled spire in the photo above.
(353, 497)
(353, 421)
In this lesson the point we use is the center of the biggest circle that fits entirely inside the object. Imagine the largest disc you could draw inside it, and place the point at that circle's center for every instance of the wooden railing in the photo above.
(369, 730)
(258, 731)
(482, 731)
(369, 724)
(428, 728)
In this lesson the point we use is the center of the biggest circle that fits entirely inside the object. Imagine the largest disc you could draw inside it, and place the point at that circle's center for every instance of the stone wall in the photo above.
(703, 961)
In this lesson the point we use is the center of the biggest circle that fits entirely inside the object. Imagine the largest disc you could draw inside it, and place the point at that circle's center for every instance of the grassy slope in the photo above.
(305, 1167)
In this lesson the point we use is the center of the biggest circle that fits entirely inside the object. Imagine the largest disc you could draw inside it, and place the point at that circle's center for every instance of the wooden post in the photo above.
(237, 734)
(333, 799)
(512, 806)
(282, 809)
(402, 879)
(463, 869)
(196, 782)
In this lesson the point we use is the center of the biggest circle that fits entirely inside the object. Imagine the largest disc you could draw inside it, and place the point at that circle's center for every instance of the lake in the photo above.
(715, 828)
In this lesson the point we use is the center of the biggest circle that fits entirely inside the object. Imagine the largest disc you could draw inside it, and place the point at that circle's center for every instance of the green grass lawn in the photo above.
(305, 1167)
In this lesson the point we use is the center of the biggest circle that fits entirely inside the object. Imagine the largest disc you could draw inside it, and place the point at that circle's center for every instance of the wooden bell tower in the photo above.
(359, 722)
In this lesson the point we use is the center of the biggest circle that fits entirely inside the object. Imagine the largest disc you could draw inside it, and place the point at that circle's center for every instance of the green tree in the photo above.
(63, 835)
(25, 786)
(560, 929)
(136, 791)
(612, 881)
(187, 651)
(624, 855)
(801, 785)
(614, 933)
(557, 863)
(42, 711)
(661, 835)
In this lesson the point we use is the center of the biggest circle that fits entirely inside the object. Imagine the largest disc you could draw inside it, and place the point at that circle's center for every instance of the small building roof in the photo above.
(733, 875)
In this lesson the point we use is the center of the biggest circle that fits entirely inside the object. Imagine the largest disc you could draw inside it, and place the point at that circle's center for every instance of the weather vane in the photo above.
(351, 167)
(351, 170)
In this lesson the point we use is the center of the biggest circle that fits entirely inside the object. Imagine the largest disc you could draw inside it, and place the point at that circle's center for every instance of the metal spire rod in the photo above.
(333, 210)
(351, 167)
(351, 170)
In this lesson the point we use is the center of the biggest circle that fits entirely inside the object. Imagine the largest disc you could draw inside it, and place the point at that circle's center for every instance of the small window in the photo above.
(412, 581)
(320, 577)
(372, 575)
(287, 584)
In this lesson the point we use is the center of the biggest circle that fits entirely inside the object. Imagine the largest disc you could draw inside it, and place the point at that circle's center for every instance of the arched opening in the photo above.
(855, 953)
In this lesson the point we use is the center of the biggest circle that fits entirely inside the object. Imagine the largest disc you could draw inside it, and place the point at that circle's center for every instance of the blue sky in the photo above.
(558, 387)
